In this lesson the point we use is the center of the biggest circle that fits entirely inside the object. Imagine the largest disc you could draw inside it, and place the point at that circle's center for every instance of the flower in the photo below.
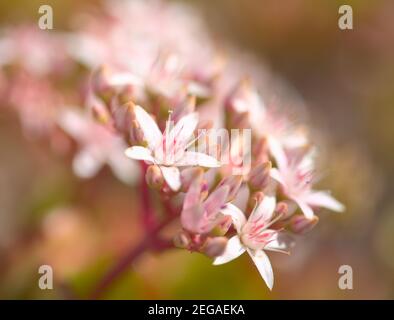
(254, 236)
(98, 146)
(295, 174)
(168, 150)
(199, 216)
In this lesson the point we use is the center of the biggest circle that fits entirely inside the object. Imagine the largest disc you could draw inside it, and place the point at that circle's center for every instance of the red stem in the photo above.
(150, 241)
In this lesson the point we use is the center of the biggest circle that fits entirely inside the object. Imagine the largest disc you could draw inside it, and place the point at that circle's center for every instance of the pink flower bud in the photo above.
(182, 240)
(154, 177)
(214, 247)
(301, 225)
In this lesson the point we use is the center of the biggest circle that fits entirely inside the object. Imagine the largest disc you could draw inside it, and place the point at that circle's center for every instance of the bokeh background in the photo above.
(80, 227)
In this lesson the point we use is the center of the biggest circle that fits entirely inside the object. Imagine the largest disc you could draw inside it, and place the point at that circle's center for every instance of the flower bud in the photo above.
(182, 240)
(100, 84)
(214, 247)
(259, 176)
(223, 226)
(154, 177)
(136, 134)
(301, 225)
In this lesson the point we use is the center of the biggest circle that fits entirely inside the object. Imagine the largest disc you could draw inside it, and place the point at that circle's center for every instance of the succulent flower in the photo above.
(168, 150)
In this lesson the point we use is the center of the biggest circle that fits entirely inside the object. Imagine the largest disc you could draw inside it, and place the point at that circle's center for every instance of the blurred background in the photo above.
(80, 227)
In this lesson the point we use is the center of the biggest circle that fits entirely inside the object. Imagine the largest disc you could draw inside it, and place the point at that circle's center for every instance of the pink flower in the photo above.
(98, 146)
(254, 236)
(200, 216)
(168, 150)
(295, 174)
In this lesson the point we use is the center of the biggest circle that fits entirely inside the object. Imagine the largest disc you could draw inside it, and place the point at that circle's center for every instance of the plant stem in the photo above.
(148, 242)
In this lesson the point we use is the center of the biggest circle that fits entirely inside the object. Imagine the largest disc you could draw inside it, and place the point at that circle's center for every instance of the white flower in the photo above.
(169, 150)
(253, 236)
(295, 174)
(98, 146)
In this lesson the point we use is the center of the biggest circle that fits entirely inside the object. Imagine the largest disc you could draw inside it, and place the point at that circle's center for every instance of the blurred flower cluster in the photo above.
(143, 82)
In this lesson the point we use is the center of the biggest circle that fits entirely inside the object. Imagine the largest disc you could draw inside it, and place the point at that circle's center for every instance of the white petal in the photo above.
(184, 128)
(279, 243)
(151, 131)
(233, 250)
(191, 158)
(123, 79)
(123, 168)
(139, 153)
(236, 214)
(276, 175)
(305, 208)
(263, 264)
(278, 153)
(325, 200)
(264, 209)
(172, 176)
(74, 122)
(86, 164)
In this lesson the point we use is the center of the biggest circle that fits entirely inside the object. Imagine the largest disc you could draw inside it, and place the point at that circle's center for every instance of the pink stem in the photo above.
(150, 241)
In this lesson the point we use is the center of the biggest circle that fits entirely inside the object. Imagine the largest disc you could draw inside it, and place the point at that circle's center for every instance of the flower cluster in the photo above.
(159, 93)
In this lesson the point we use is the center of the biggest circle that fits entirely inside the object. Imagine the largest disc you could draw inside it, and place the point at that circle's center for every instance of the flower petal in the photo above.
(276, 175)
(86, 164)
(278, 153)
(264, 209)
(123, 168)
(216, 200)
(263, 264)
(191, 158)
(172, 176)
(74, 122)
(236, 214)
(279, 243)
(184, 128)
(139, 153)
(151, 131)
(193, 194)
(325, 200)
(233, 250)
(305, 208)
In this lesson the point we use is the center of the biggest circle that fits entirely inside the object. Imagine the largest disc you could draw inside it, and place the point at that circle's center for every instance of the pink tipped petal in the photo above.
(264, 209)
(305, 208)
(216, 200)
(278, 153)
(263, 264)
(172, 176)
(139, 153)
(191, 158)
(86, 164)
(233, 250)
(325, 200)
(151, 131)
(237, 216)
